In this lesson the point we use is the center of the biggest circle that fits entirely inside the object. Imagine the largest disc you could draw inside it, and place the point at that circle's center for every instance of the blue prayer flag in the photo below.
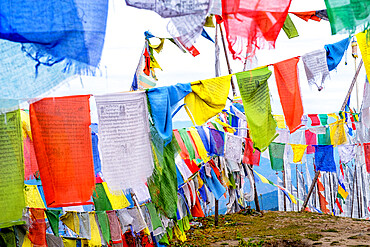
(324, 158)
(335, 52)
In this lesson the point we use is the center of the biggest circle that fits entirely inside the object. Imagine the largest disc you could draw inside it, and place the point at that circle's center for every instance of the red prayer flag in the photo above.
(251, 156)
(307, 15)
(320, 186)
(323, 204)
(339, 206)
(252, 24)
(196, 210)
(191, 165)
(184, 152)
(194, 146)
(62, 139)
(286, 75)
(310, 141)
(314, 119)
(367, 156)
(37, 231)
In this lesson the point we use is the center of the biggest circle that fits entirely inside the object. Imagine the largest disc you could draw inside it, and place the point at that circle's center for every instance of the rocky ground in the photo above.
(272, 228)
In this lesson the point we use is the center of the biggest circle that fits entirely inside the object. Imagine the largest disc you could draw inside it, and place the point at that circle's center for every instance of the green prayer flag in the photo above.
(276, 152)
(100, 198)
(232, 180)
(256, 100)
(189, 146)
(348, 15)
(156, 221)
(324, 139)
(11, 170)
(104, 225)
(7, 237)
(53, 218)
(289, 28)
(323, 119)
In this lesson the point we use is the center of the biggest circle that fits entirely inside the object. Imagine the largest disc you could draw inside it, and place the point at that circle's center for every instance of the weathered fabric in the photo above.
(335, 52)
(287, 81)
(307, 15)
(316, 67)
(348, 15)
(346, 152)
(256, 100)
(53, 218)
(364, 45)
(233, 147)
(62, 138)
(338, 133)
(253, 24)
(289, 28)
(207, 98)
(37, 230)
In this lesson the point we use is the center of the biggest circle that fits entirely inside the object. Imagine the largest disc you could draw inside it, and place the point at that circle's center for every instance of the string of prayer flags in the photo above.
(208, 98)
(253, 24)
(163, 101)
(53, 218)
(367, 156)
(276, 152)
(61, 133)
(287, 81)
(251, 156)
(316, 67)
(364, 45)
(11, 170)
(37, 230)
(298, 152)
(289, 28)
(144, 76)
(335, 52)
(307, 15)
(256, 100)
(124, 140)
(310, 141)
(347, 15)
(324, 158)
(338, 133)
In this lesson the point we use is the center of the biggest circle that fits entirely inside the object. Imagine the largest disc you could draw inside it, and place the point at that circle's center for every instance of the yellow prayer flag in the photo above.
(26, 126)
(199, 144)
(179, 234)
(337, 133)
(67, 242)
(292, 198)
(365, 50)
(118, 201)
(158, 48)
(71, 220)
(280, 121)
(298, 152)
(263, 179)
(95, 240)
(333, 115)
(207, 99)
(200, 181)
(342, 192)
(228, 127)
(32, 197)
(27, 242)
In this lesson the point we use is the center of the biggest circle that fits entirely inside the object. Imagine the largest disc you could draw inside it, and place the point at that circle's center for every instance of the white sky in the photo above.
(125, 41)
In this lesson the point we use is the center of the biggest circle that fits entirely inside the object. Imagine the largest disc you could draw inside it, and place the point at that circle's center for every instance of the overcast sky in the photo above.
(125, 41)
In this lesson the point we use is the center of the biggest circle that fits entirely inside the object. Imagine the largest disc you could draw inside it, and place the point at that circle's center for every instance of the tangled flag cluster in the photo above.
(131, 179)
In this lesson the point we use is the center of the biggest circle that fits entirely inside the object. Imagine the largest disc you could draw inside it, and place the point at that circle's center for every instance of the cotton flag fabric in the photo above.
(289, 28)
(338, 133)
(307, 15)
(53, 218)
(335, 52)
(60, 128)
(163, 101)
(276, 152)
(37, 230)
(233, 147)
(208, 98)
(287, 81)
(346, 152)
(367, 156)
(364, 45)
(253, 24)
(310, 141)
(124, 140)
(347, 15)
(11, 169)
(316, 67)
(315, 121)
(256, 100)
(324, 158)
(32, 197)
(251, 156)
(298, 152)
(280, 121)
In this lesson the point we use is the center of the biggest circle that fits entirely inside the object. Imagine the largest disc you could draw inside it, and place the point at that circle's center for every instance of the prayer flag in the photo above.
(364, 45)
(100, 198)
(315, 121)
(310, 141)
(53, 218)
(337, 133)
(233, 147)
(37, 230)
(346, 152)
(289, 28)
(298, 152)
(71, 220)
(276, 151)
(286, 75)
(188, 144)
(367, 156)
(338, 204)
(316, 67)
(323, 119)
(251, 156)
(61, 133)
(307, 15)
(347, 15)
(115, 228)
(163, 101)
(117, 199)
(324, 158)
(253, 24)
(33, 197)
(95, 148)
(256, 100)
(104, 225)
(335, 52)
(11, 170)
(342, 192)
(207, 98)
(184, 151)
(323, 204)
(216, 142)
(280, 121)
(95, 234)
(199, 144)
(324, 139)
(124, 140)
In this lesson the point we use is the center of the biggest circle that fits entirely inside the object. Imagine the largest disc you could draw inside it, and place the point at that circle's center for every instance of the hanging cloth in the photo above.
(346, 152)
(315, 121)
(364, 45)
(324, 158)
(276, 152)
(338, 133)
(53, 218)
(208, 98)
(307, 15)
(367, 156)
(71, 220)
(256, 100)
(253, 24)
(316, 67)
(289, 28)
(251, 156)
(335, 52)
(298, 152)
(287, 81)
(347, 15)
(310, 141)
(32, 197)
(37, 231)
